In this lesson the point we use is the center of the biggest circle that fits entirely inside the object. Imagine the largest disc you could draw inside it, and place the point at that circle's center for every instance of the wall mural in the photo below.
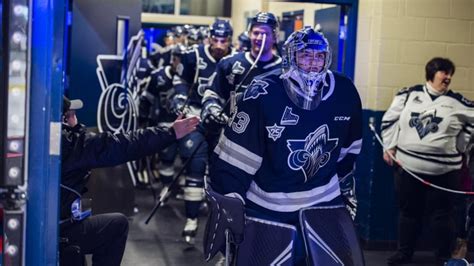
(117, 110)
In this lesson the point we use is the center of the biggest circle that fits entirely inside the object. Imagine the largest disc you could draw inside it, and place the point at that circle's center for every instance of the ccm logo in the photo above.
(342, 118)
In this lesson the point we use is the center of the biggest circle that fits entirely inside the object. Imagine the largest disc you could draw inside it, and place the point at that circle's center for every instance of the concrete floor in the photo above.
(160, 242)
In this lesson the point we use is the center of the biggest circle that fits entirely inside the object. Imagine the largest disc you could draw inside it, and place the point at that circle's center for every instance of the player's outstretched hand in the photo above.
(183, 126)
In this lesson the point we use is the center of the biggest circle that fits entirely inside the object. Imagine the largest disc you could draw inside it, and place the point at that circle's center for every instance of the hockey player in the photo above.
(237, 71)
(205, 33)
(243, 42)
(427, 128)
(198, 73)
(177, 36)
(295, 133)
(161, 55)
(195, 37)
(159, 91)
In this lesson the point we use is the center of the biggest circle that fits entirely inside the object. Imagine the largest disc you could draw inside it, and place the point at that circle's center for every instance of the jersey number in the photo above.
(241, 124)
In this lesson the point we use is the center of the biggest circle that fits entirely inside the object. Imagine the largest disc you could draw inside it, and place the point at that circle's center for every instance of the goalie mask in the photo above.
(306, 60)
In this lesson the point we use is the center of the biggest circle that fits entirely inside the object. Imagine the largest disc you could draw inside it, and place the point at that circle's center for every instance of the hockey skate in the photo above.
(190, 231)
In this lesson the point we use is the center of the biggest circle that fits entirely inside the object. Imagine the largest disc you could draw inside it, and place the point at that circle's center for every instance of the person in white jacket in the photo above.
(426, 129)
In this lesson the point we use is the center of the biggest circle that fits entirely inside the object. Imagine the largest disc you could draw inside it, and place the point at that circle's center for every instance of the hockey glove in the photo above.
(177, 104)
(214, 115)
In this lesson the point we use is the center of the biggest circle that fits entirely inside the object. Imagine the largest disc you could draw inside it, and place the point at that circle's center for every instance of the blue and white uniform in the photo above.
(199, 67)
(197, 75)
(231, 72)
(154, 105)
(159, 90)
(280, 158)
(435, 128)
(294, 135)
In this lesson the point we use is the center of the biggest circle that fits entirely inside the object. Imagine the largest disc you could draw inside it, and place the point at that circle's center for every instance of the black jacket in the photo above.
(82, 151)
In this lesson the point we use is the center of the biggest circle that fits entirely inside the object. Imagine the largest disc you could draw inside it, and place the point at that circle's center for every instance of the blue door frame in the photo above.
(349, 66)
(46, 87)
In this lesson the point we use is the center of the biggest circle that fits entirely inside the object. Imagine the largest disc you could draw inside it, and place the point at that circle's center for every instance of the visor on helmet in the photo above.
(306, 60)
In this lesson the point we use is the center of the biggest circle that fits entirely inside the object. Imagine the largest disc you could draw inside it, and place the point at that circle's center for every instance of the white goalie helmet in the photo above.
(306, 60)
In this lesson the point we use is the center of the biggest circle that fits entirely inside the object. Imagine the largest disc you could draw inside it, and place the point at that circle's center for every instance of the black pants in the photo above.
(104, 236)
(416, 200)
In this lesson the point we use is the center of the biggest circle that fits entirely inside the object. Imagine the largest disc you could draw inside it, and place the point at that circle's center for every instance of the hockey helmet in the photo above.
(221, 28)
(304, 84)
(244, 41)
(178, 49)
(195, 36)
(264, 18)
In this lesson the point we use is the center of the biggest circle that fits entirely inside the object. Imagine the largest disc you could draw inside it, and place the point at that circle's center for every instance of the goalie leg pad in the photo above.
(266, 243)
(330, 236)
(225, 214)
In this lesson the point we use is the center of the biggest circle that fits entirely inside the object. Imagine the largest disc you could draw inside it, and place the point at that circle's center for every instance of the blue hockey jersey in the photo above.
(199, 68)
(283, 158)
(232, 72)
(159, 91)
(161, 57)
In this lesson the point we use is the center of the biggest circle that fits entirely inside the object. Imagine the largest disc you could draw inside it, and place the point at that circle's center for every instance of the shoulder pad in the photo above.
(410, 89)
(231, 55)
(461, 99)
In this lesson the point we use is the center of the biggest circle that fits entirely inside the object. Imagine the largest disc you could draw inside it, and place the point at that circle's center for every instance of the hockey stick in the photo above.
(191, 88)
(372, 128)
(237, 88)
(167, 189)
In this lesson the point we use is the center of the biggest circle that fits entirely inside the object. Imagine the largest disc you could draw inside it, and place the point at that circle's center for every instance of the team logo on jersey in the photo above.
(288, 118)
(255, 89)
(161, 81)
(417, 99)
(201, 64)
(425, 122)
(230, 78)
(237, 69)
(274, 132)
(312, 153)
(204, 83)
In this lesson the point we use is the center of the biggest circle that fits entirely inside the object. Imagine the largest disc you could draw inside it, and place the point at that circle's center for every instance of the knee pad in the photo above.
(266, 243)
(330, 237)
(225, 224)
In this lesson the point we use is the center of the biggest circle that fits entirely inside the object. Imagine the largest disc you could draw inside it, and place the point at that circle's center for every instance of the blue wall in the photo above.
(376, 219)
(94, 32)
